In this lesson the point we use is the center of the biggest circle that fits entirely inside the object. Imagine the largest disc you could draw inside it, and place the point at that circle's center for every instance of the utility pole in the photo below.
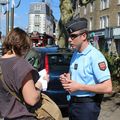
(7, 18)
(7, 2)
(12, 14)
(0, 15)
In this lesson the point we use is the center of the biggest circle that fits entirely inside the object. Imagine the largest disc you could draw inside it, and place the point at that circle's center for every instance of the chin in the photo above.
(73, 47)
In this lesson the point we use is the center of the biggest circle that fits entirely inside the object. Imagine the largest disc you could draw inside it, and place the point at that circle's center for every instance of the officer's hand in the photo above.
(63, 78)
(71, 86)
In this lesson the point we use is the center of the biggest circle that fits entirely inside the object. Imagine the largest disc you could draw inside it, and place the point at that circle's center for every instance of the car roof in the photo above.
(53, 49)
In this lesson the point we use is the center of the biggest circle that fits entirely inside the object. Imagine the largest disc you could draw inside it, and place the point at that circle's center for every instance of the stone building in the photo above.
(41, 18)
(104, 23)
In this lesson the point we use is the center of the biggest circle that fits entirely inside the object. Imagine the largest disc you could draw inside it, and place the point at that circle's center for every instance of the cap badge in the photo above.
(70, 30)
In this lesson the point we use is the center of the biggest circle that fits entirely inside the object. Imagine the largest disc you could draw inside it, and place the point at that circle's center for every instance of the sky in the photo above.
(21, 13)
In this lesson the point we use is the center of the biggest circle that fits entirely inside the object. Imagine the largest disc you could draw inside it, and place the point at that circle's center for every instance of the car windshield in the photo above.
(59, 61)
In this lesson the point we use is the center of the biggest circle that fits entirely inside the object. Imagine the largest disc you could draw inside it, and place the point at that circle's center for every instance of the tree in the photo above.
(67, 9)
(66, 13)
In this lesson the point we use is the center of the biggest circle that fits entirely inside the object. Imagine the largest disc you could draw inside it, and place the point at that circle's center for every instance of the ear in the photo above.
(84, 36)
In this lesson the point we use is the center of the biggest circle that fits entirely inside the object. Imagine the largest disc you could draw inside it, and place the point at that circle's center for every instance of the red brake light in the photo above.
(46, 63)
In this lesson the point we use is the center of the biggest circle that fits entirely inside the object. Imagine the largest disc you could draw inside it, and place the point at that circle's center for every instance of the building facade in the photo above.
(104, 23)
(41, 18)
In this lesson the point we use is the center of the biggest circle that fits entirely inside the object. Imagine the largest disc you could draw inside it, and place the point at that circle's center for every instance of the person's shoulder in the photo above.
(22, 61)
(96, 54)
(96, 51)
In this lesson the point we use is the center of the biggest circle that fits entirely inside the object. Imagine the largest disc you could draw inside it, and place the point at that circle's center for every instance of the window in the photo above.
(36, 19)
(104, 21)
(91, 6)
(91, 24)
(118, 1)
(85, 10)
(118, 19)
(37, 7)
(104, 4)
(36, 28)
(59, 59)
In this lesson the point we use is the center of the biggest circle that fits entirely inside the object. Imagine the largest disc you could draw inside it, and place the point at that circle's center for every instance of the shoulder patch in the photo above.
(102, 65)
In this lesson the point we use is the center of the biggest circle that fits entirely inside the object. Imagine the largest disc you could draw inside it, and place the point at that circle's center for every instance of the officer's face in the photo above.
(77, 39)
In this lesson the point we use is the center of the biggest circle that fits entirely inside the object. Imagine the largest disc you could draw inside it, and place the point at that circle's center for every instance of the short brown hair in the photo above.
(17, 40)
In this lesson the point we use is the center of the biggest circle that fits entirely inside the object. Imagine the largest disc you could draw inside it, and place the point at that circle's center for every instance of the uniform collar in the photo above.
(86, 50)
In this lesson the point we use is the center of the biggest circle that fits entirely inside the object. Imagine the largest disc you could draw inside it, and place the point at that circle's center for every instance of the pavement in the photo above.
(110, 108)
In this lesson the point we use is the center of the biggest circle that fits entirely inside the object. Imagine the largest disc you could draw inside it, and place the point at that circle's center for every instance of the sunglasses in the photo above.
(73, 36)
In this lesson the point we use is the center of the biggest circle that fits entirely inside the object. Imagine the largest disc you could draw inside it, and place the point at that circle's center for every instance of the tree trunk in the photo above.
(66, 9)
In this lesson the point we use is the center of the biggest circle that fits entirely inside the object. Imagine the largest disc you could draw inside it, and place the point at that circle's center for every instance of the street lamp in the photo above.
(3, 3)
(12, 12)
(7, 2)
(7, 18)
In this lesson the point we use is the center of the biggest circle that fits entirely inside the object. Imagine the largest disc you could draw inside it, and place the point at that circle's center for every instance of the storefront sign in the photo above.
(99, 33)
(116, 31)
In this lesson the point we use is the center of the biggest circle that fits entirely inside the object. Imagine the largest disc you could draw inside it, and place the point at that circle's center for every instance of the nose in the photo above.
(69, 39)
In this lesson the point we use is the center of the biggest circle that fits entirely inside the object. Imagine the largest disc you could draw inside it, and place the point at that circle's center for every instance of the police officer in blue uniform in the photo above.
(88, 78)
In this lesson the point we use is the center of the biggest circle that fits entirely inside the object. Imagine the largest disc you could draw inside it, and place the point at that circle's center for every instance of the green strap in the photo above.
(6, 86)
(36, 63)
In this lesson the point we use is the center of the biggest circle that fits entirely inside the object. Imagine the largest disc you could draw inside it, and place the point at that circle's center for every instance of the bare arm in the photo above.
(104, 87)
(30, 94)
(71, 85)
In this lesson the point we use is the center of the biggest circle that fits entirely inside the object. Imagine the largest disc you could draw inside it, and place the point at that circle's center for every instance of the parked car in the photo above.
(56, 61)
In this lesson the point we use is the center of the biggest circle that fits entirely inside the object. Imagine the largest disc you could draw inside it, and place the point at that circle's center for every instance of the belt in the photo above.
(75, 99)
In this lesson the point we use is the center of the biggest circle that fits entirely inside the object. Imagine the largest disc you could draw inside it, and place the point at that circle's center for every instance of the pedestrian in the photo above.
(20, 77)
(88, 78)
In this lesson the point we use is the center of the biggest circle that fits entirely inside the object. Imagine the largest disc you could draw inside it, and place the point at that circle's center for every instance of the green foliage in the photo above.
(110, 60)
(114, 66)
(66, 11)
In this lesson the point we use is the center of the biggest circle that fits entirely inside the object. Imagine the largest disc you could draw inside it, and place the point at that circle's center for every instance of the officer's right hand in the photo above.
(63, 78)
